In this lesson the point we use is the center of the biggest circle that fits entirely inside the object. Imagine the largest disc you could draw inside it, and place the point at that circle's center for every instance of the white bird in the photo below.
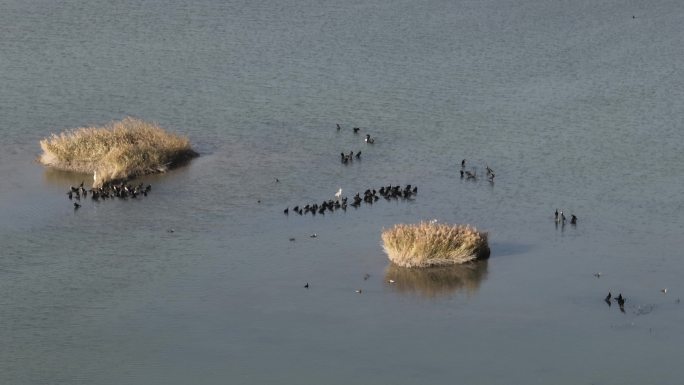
(94, 177)
(338, 194)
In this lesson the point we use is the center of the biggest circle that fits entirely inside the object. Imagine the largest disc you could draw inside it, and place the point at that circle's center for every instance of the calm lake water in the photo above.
(575, 105)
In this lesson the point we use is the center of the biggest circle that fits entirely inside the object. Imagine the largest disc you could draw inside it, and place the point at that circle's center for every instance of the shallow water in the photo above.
(574, 105)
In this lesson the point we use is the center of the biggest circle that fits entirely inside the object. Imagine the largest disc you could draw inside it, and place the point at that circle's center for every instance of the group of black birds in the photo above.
(560, 218)
(368, 139)
(369, 196)
(472, 173)
(619, 299)
(107, 191)
(349, 158)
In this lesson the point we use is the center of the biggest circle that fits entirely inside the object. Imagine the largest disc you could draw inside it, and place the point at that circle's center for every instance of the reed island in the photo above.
(117, 151)
(431, 244)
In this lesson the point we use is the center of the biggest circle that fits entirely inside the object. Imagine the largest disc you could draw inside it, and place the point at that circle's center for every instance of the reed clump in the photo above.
(429, 244)
(119, 150)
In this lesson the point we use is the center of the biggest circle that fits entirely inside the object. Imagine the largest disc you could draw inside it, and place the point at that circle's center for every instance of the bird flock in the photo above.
(368, 139)
(467, 171)
(619, 299)
(408, 192)
(349, 158)
(369, 197)
(471, 174)
(560, 218)
(107, 191)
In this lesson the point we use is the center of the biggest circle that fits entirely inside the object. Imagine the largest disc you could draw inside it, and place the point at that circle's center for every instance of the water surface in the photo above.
(575, 105)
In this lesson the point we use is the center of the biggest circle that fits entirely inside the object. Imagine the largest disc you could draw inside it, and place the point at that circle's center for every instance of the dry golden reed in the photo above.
(434, 244)
(117, 151)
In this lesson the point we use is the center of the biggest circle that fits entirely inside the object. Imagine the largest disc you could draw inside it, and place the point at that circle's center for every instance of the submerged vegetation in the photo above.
(434, 244)
(117, 151)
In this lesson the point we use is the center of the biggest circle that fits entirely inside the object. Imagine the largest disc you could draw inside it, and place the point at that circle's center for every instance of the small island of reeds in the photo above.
(429, 244)
(117, 151)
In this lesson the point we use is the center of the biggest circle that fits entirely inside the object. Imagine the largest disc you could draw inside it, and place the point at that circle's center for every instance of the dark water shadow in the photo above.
(434, 282)
(61, 178)
(65, 179)
(500, 249)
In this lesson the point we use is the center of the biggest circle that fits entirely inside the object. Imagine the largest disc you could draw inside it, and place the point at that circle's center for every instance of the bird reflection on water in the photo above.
(438, 281)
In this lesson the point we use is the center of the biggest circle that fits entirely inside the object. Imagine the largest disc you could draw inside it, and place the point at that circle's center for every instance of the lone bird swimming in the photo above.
(621, 302)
